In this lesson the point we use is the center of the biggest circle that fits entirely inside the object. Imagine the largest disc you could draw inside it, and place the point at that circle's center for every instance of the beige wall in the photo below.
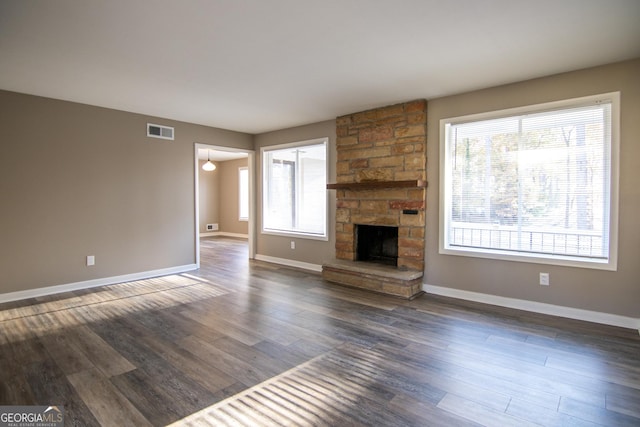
(229, 197)
(77, 180)
(605, 291)
(307, 250)
(208, 197)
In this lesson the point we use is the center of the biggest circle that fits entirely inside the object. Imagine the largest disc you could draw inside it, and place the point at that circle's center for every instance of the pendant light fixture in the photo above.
(209, 166)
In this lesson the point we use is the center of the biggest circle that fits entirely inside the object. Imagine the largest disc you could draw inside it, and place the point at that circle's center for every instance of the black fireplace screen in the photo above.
(377, 244)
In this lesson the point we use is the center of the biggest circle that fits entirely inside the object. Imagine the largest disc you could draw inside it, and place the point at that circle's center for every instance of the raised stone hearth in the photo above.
(381, 181)
(374, 277)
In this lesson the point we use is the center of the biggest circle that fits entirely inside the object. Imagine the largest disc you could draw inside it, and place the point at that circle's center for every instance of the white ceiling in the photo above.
(261, 65)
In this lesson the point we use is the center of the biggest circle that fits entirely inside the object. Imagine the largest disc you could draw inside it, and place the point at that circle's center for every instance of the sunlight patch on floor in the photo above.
(112, 302)
(327, 390)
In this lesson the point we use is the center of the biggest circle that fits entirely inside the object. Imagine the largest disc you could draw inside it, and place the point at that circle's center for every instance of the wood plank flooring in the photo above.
(243, 342)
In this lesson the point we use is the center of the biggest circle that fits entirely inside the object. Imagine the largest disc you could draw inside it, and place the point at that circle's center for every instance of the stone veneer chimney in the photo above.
(381, 180)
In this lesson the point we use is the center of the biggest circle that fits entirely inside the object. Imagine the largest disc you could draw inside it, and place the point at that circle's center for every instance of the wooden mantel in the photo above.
(372, 185)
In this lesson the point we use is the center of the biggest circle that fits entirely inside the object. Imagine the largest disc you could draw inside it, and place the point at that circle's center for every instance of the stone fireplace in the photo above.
(381, 183)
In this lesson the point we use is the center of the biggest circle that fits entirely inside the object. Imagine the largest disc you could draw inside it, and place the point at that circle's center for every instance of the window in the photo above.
(243, 193)
(533, 184)
(295, 189)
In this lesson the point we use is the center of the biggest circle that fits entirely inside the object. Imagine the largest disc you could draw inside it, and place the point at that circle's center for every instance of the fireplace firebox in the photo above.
(378, 244)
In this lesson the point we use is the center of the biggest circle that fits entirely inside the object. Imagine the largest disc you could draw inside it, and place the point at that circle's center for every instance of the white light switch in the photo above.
(91, 260)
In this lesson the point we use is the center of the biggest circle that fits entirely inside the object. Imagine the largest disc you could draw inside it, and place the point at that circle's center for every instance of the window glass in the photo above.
(243, 193)
(294, 189)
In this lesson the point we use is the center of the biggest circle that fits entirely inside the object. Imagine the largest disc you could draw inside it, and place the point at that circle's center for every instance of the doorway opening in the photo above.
(224, 194)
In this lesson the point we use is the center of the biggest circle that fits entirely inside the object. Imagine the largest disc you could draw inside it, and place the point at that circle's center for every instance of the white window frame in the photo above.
(312, 236)
(240, 193)
(563, 260)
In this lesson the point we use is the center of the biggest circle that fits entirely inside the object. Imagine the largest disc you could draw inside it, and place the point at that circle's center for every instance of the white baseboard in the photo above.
(537, 307)
(225, 234)
(50, 290)
(290, 263)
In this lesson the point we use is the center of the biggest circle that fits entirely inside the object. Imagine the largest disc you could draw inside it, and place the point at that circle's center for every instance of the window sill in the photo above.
(296, 235)
(566, 261)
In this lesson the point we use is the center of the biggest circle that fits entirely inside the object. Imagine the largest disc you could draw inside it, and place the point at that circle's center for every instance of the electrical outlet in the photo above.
(293, 244)
(91, 260)
(544, 279)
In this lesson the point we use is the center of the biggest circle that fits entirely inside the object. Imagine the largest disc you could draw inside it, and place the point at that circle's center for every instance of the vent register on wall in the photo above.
(159, 131)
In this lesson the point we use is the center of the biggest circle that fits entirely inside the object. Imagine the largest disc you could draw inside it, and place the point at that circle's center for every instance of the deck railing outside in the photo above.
(546, 240)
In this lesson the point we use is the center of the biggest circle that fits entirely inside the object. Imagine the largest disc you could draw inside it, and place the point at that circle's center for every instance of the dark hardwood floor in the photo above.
(250, 343)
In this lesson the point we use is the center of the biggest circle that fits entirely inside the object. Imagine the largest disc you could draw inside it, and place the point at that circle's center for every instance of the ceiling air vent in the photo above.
(157, 131)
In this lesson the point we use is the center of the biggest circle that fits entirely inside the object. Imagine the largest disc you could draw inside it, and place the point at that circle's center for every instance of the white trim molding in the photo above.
(536, 307)
(50, 290)
(224, 234)
(290, 263)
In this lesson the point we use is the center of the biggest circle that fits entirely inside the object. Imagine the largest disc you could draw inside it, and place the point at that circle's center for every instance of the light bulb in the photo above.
(209, 166)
